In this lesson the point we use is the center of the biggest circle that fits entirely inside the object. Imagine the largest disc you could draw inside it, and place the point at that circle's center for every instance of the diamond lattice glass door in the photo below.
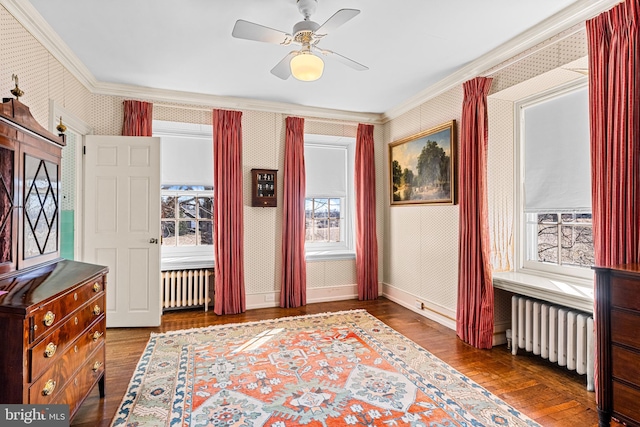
(40, 207)
(6, 205)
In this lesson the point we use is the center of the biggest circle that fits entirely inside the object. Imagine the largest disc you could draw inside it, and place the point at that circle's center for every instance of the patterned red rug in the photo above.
(332, 369)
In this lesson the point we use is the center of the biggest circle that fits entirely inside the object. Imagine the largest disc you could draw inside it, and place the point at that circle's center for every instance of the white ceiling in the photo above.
(187, 46)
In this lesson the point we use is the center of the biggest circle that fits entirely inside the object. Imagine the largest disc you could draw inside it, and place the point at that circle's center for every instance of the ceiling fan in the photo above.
(304, 64)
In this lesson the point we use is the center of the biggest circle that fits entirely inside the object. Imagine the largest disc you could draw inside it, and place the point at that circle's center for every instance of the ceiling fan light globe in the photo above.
(306, 67)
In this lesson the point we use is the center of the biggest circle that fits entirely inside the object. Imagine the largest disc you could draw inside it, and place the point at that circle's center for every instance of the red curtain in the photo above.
(366, 239)
(294, 265)
(138, 118)
(474, 316)
(614, 98)
(614, 106)
(228, 226)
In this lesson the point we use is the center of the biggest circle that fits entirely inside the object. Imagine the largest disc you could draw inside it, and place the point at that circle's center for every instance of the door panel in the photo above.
(122, 218)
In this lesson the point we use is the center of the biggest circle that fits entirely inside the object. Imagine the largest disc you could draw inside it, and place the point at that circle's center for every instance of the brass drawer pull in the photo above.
(96, 287)
(96, 366)
(50, 350)
(48, 388)
(96, 310)
(49, 318)
(97, 335)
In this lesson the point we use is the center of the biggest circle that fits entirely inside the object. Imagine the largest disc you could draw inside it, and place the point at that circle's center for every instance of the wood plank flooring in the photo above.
(549, 394)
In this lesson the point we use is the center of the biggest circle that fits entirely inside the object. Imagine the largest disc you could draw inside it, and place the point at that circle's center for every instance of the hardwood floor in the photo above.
(549, 394)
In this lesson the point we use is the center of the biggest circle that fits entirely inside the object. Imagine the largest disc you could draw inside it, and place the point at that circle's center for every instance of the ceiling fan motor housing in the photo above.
(303, 31)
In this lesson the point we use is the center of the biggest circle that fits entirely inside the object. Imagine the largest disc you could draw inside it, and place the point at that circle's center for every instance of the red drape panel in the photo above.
(228, 224)
(366, 238)
(474, 316)
(614, 105)
(138, 118)
(294, 265)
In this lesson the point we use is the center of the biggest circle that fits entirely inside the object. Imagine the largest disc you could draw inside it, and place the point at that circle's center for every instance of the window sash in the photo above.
(182, 227)
(313, 223)
(578, 252)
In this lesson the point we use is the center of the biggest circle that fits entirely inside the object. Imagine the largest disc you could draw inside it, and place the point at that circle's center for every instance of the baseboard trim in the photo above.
(430, 310)
(500, 332)
(314, 295)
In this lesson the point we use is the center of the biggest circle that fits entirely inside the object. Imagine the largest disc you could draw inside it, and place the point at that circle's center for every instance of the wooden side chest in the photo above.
(52, 330)
(617, 328)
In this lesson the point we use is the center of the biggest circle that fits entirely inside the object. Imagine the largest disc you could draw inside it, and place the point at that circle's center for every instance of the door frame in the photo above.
(81, 128)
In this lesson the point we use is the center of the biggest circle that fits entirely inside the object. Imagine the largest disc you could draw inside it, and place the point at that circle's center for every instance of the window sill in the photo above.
(312, 256)
(186, 263)
(575, 294)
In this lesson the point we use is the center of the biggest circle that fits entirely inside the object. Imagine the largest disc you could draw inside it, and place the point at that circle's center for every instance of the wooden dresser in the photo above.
(617, 296)
(52, 330)
(52, 321)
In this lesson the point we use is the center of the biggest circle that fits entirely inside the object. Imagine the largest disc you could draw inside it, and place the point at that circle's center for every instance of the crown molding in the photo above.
(24, 12)
(568, 17)
(215, 101)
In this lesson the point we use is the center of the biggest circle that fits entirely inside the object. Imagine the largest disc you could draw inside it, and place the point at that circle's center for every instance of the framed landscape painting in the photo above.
(423, 167)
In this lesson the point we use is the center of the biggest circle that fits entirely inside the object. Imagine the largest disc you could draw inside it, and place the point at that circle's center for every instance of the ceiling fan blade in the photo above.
(346, 61)
(252, 31)
(338, 18)
(283, 69)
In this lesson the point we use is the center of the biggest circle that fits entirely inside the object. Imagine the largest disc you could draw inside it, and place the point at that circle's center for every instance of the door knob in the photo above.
(153, 240)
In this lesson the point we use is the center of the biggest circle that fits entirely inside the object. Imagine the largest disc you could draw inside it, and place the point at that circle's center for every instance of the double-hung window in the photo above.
(186, 192)
(329, 196)
(555, 231)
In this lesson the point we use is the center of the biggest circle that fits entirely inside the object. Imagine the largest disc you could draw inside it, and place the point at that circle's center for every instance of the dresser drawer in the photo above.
(626, 365)
(48, 316)
(625, 401)
(625, 293)
(80, 385)
(624, 328)
(49, 349)
(54, 379)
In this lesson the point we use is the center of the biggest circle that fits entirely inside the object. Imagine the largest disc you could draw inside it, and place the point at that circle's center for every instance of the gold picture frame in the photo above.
(422, 167)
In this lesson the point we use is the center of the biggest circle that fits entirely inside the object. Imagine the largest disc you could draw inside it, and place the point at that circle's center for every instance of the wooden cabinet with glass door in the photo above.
(52, 318)
(264, 187)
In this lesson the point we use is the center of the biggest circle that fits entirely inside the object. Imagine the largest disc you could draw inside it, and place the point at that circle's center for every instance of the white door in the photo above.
(122, 224)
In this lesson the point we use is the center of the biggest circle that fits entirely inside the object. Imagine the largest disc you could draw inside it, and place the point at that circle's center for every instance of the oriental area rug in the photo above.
(332, 369)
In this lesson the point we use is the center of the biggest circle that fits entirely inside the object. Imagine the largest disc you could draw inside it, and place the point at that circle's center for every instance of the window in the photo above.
(329, 196)
(187, 215)
(563, 239)
(323, 220)
(186, 178)
(555, 180)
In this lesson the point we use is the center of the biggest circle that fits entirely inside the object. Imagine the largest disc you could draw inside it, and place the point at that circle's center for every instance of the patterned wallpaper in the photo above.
(41, 76)
(421, 243)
